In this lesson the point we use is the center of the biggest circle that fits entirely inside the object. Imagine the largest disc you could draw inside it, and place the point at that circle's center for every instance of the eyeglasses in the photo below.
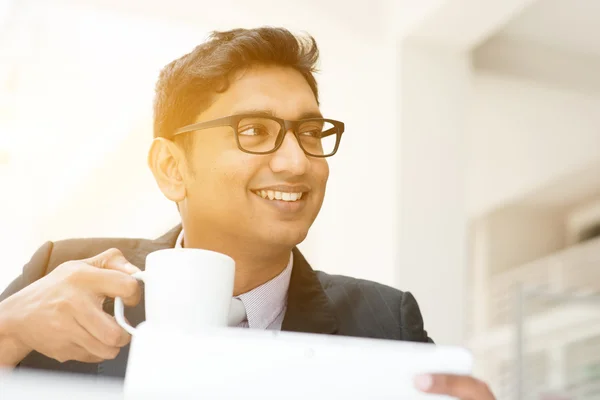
(256, 134)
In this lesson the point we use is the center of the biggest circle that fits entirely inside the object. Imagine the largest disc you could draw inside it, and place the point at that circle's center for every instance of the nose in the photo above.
(290, 157)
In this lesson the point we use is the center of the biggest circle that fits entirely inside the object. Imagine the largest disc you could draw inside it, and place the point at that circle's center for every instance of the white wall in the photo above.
(524, 135)
(357, 84)
(518, 136)
(75, 104)
(434, 89)
(356, 232)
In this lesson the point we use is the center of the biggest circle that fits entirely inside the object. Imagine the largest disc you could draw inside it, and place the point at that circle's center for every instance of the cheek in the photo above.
(321, 172)
(225, 177)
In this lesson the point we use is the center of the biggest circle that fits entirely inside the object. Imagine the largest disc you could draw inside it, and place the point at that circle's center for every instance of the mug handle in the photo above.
(120, 307)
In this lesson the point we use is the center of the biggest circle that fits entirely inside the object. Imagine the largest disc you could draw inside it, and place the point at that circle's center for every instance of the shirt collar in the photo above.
(266, 302)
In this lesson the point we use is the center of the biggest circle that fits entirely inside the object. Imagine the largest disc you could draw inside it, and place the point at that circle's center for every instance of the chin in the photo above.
(288, 237)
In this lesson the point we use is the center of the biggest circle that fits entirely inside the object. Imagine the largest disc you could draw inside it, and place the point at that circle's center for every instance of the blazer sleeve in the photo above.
(32, 271)
(412, 320)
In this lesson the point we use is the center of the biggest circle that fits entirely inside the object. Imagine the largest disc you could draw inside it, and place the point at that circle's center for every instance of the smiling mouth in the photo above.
(277, 195)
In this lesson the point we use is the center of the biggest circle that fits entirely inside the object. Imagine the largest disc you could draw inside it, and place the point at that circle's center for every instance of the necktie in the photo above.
(237, 312)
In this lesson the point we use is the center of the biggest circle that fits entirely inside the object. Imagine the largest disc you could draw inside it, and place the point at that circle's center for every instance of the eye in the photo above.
(253, 130)
(312, 131)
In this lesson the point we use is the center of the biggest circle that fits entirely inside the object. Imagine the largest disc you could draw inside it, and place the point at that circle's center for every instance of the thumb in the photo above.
(113, 259)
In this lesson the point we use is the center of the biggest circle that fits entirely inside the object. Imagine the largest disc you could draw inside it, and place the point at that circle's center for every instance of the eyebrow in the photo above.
(270, 113)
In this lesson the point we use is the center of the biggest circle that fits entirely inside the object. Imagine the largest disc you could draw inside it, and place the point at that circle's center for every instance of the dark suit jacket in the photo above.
(317, 302)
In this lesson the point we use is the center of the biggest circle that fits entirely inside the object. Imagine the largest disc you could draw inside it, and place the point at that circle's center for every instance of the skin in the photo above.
(61, 316)
(214, 185)
(458, 386)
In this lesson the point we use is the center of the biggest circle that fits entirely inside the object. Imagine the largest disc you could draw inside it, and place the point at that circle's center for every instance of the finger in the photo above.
(101, 326)
(460, 386)
(73, 351)
(78, 353)
(111, 283)
(125, 337)
(113, 259)
(93, 346)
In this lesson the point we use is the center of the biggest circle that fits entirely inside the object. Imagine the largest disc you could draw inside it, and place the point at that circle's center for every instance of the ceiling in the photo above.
(572, 26)
(578, 187)
(359, 19)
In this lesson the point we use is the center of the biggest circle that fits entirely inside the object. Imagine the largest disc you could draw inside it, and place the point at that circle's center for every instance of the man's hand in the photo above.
(461, 387)
(61, 315)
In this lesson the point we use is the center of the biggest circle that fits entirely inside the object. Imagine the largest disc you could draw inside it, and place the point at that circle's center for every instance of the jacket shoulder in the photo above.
(80, 249)
(134, 249)
(372, 309)
(32, 271)
(52, 254)
(336, 281)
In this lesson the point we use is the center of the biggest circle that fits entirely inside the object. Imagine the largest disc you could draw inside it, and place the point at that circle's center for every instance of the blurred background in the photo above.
(469, 173)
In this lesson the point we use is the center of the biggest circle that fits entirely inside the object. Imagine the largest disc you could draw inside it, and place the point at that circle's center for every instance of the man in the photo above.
(241, 147)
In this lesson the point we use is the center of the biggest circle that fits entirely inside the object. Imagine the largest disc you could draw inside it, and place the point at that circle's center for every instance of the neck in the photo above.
(254, 264)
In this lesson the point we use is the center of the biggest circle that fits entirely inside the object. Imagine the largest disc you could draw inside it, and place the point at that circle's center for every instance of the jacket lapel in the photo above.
(309, 309)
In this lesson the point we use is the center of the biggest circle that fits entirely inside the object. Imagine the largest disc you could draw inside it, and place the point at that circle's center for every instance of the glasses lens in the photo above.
(318, 137)
(258, 134)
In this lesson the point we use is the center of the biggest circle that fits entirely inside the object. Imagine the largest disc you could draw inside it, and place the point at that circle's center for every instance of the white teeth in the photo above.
(276, 195)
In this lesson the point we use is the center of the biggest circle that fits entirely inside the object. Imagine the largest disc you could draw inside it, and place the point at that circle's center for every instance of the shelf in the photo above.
(572, 270)
(563, 324)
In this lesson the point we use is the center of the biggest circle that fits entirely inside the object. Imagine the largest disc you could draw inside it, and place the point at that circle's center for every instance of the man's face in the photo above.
(224, 194)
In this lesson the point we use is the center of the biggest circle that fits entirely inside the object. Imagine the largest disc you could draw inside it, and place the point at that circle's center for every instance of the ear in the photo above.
(167, 163)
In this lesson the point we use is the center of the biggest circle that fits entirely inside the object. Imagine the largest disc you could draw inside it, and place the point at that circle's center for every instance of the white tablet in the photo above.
(236, 363)
(24, 384)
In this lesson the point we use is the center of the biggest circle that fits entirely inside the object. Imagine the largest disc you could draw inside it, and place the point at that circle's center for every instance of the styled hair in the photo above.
(188, 85)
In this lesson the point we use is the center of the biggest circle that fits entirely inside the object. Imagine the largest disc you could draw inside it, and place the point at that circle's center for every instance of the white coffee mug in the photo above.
(185, 289)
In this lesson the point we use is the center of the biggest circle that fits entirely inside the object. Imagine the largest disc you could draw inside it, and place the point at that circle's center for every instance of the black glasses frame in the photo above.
(286, 126)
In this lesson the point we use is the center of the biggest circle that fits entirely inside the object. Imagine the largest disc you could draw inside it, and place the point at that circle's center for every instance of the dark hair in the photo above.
(188, 85)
